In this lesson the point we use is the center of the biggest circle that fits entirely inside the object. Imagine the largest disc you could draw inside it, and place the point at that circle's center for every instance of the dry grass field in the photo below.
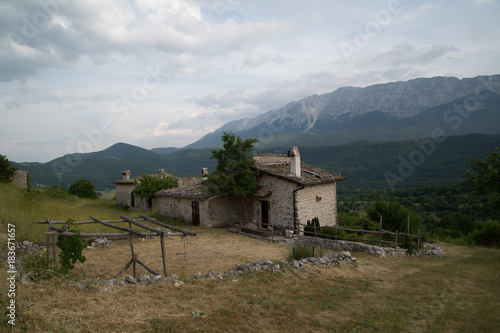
(457, 293)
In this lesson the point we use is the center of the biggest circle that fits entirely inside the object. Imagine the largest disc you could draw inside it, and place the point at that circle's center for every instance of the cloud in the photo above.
(43, 38)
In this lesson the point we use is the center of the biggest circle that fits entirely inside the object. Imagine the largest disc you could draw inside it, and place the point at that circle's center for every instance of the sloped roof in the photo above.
(180, 180)
(310, 175)
(195, 191)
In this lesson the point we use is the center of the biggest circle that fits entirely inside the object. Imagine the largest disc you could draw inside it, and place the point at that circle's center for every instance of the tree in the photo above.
(486, 181)
(147, 186)
(457, 221)
(395, 216)
(7, 171)
(235, 174)
(83, 188)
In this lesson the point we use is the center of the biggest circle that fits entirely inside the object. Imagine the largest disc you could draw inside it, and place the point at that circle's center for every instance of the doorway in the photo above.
(195, 205)
(264, 208)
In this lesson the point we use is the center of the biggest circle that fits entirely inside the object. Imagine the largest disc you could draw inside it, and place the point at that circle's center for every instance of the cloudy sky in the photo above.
(81, 75)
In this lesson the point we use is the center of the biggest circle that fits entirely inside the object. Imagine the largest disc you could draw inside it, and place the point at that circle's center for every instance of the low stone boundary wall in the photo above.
(339, 245)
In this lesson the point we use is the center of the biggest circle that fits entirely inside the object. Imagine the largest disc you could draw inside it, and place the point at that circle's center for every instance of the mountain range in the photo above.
(360, 132)
(391, 111)
(365, 164)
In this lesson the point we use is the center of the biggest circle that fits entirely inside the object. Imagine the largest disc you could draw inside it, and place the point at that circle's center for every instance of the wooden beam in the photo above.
(129, 220)
(117, 227)
(168, 226)
(84, 222)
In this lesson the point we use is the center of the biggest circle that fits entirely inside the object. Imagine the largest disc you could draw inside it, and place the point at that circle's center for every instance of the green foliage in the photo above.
(488, 235)
(395, 217)
(304, 250)
(487, 177)
(312, 227)
(7, 171)
(459, 222)
(83, 188)
(38, 267)
(147, 185)
(71, 249)
(235, 175)
(57, 192)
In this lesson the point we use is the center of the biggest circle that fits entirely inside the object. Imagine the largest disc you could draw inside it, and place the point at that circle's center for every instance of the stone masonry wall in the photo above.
(223, 211)
(123, 192)
(281, 202)
(339, 245)
(318, 201)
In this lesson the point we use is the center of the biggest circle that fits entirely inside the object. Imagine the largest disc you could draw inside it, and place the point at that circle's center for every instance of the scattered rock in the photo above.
(130, 280)
(101, 242)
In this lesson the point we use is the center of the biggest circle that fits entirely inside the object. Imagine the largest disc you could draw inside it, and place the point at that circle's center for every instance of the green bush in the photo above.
(488, 235)
(312, 227)
(71, 249)
(38, 267)
(304, 250)
(83, 188)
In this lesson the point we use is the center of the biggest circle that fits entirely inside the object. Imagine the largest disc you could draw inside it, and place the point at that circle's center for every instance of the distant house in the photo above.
(126, 185)
(291, 193)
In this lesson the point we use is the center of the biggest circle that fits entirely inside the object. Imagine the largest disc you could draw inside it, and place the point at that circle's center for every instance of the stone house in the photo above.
(126, 185)
(291, 193)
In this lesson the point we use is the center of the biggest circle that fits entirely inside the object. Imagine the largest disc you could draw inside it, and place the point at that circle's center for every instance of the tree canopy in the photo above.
(395, 216)
(486, 180)
(83, 188)
(234, 175)
(7, 171)
(147, 185)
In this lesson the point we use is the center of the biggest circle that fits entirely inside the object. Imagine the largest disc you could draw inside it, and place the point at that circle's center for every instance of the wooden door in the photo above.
(195, 205)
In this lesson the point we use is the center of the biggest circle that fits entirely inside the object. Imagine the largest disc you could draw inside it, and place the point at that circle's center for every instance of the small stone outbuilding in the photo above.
(291, 194)
(126, 185)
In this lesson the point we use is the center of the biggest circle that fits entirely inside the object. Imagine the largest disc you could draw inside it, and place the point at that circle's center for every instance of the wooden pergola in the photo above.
(54, 231)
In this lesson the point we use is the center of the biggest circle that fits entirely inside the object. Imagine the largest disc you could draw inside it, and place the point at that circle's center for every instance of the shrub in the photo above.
(83, 188)
(38, 267)
(312, 227)
(304, 250)
(71, 249)
(488, 235)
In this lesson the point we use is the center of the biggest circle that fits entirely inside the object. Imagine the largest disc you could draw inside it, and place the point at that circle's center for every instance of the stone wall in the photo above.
(318, 201)
(281, 208)
(123, 194)
(339, 245)
(224, 211)
(21, 178)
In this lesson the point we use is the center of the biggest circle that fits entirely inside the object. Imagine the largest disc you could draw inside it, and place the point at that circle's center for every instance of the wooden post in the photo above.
(380, 234)
(418, 239)
(54, 250)
(163, 256)
(48, 247)
(396, 239)
(408, 219)
(132, 249)
(336, 230)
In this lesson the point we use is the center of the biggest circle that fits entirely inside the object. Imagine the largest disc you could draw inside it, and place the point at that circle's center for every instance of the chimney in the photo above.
(295, 162)
(204, 172)
(161, 173)
(126, 174)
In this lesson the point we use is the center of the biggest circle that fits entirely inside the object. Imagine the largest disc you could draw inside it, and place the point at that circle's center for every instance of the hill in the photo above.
(364, 163)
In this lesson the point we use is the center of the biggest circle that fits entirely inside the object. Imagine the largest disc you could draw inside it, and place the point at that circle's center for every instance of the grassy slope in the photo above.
(21, 210)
